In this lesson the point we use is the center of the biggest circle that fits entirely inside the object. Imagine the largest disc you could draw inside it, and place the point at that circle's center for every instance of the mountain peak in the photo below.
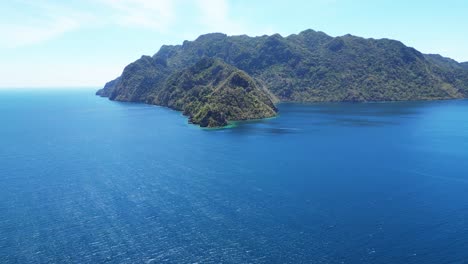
(211, 36)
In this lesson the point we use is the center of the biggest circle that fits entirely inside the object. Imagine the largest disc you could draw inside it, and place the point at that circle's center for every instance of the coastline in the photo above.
(236, 123)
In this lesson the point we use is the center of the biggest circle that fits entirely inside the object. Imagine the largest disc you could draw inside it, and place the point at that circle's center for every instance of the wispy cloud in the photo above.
(47, 20)
(22, 35)
(214, 15)
(217, 16)
(36, 22)
(50, 20)
(151, 14)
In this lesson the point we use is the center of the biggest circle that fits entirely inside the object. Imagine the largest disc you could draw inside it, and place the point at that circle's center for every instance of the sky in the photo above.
(85, 43)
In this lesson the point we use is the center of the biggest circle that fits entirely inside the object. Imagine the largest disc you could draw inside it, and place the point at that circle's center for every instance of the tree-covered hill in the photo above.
(212, 93)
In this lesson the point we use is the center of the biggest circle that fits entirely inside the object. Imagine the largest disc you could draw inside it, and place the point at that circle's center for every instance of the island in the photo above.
(217, 79)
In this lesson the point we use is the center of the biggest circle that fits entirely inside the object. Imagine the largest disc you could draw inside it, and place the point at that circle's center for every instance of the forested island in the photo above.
(217, 78)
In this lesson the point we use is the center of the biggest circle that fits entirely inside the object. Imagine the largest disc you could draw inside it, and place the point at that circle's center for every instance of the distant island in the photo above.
(218, 78)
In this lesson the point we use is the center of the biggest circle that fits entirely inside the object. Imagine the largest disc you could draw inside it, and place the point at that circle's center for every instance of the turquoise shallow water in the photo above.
(87, 180)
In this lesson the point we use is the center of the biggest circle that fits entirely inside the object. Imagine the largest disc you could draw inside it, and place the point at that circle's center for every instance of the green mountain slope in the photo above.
(307, 67)
(212, 93)
(137, 81)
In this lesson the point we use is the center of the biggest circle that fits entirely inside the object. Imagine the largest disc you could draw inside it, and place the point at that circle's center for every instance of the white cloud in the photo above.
(163, 16)
(35, 22)
(217, 16)
(214, 17)
(152, 14)
(22, 35)
(53, 20)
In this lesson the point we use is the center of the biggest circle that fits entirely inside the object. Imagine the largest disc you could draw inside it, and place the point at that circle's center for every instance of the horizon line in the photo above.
(49, 87)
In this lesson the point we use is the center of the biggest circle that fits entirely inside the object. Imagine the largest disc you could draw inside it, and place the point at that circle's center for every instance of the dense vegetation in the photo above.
(310, 66)
(212, 92)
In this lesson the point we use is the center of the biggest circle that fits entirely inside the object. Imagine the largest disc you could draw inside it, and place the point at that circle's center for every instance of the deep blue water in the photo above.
(87, 180)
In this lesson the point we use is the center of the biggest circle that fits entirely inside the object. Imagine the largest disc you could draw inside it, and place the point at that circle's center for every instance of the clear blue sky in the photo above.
(79, 43)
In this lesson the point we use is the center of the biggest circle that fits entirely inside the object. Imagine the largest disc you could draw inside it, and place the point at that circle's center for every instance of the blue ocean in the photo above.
(87, 180)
